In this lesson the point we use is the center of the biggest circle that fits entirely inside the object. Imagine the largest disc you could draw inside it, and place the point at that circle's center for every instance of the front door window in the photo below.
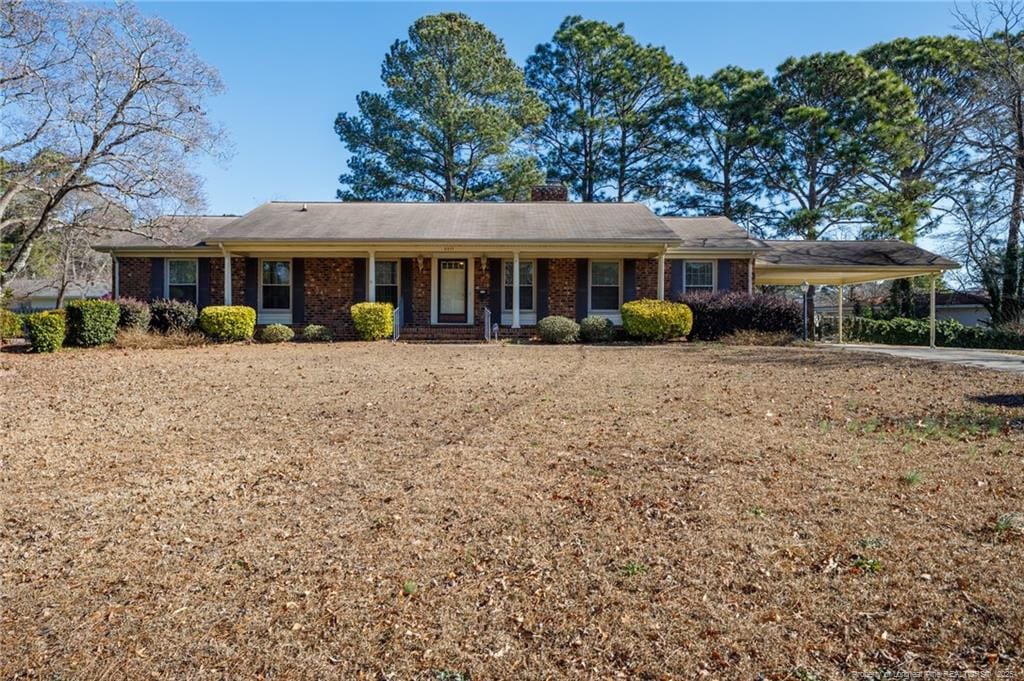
(452, 292)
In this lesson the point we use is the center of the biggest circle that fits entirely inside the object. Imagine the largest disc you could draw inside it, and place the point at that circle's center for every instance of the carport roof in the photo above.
(845, 262)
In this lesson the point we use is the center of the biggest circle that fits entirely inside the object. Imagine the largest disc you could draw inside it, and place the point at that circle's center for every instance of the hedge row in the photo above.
(720, 314)
(643, 320)
(948, 333)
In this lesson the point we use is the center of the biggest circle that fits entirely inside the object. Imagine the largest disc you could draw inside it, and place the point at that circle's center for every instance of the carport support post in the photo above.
(227, 278)
(515, 290)
(840, 313)
(931, 315)
(661, 277)
(371, 273)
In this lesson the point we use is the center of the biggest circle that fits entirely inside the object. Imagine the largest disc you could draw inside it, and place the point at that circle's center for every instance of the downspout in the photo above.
(750, 274)
(117, 276)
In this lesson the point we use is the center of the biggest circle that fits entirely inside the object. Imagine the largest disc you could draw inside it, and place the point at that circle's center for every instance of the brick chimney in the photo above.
(552, 190)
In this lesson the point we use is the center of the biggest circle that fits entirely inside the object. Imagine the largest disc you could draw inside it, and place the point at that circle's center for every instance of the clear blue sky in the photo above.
(290, 68)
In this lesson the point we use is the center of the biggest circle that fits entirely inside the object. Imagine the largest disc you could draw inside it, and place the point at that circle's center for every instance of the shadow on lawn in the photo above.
(1008, 400)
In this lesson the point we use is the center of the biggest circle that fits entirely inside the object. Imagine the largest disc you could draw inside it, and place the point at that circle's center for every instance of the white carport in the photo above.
(838, 263)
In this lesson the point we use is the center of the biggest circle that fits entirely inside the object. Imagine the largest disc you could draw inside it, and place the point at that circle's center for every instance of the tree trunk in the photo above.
(1011, 308)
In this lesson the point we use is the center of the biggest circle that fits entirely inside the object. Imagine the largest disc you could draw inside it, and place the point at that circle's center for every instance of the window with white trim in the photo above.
(698, 275)
(385, 277)
(527, 295)
(276, 285)
(183, 280)
(605, 285)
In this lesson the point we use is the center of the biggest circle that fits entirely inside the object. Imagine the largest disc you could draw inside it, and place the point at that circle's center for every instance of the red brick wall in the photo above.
(329, 294)
(237, 281)
(481, 292)
(647, 278)
(134, 274)
(420, 294)
(562, 287)
(738, 275)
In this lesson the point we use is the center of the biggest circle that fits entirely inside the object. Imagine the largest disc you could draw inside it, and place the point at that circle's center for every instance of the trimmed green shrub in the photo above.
(597, 329)
(373, 321)
(948, 333)
(560, 330)
(720, 314)
(172, 315)
(45, 330)
(314, 333)
(276, 333)
(91, 322)
(134, 314)
(656, 320)
(10, 324)
(228, 322)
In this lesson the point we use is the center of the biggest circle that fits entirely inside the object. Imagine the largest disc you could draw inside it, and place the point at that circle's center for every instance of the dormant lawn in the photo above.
(454, 512)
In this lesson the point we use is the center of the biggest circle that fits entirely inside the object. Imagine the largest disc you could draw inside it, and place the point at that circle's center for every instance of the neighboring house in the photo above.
(31, 295)
(449, 266)
(965, 307)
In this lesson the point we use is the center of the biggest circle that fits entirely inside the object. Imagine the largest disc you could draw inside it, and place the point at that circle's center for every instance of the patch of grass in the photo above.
(633, 569)
(448, 675)
(1009, 523)
(911, 478)
(863, 564)
(871, 543)
(409, 588)
(758, 512)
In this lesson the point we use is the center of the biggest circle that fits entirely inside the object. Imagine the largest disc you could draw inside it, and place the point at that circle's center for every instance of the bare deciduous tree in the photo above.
(101, 101)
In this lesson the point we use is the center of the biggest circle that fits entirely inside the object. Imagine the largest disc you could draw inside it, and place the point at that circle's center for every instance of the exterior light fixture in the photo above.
(805, 287)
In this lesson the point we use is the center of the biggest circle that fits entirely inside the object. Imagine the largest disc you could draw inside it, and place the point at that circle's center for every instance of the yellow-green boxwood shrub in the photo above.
(373, 321)
(45, 330)
(10, 324)
(656, 320)
(276, 333)
(316, 333)
(91, 322)
(228, 322)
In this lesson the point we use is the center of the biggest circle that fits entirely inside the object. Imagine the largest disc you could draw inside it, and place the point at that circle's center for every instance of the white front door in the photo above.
(452, 291)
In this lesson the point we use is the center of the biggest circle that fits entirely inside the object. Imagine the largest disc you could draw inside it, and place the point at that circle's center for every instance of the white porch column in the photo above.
(371, 271)
(515, 290)
(227, 278)
(750, 276)
(840, 313)
(931, 316)
(661, 277)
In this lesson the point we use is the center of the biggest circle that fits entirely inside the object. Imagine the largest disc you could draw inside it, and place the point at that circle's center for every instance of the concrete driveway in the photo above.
(985, 359)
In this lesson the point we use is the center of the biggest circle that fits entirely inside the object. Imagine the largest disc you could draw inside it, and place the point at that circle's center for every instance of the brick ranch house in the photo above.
(448, 267)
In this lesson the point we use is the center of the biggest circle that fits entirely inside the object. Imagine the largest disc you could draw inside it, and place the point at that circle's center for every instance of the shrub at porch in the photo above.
(10, 324)
(45, 330)
(597, 329)
(228, 322)
(91, 322)
(134, 314)
(721, 314)
(172, 315)
(373, 321)
(314, 333)
(656, 320)
(948, 333)
(560, 330)
(276, 333)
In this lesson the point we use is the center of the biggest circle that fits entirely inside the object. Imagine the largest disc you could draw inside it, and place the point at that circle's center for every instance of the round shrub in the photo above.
(91, 322)
(45, 330)
(134, 314)
(172, 315)
(555, 329)
(597, 329)
(228, 322)
(656, 320)
(314, 333)
(373, 321)
(276, 333)
(10, 324)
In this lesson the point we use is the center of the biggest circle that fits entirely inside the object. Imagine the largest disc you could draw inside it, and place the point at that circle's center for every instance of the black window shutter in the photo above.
(156, 278)
(582, 276)
(542, 288)
(298, 291)
(628, 280)
(677, 279)
(494, 276)
(358, 280)
(204, 282)
(406, 276)
(252, 281)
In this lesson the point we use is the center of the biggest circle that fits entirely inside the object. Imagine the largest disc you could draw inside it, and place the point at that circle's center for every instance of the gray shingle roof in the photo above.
(170, 231)
(712, 232)
(381, 222)
(850, 254)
